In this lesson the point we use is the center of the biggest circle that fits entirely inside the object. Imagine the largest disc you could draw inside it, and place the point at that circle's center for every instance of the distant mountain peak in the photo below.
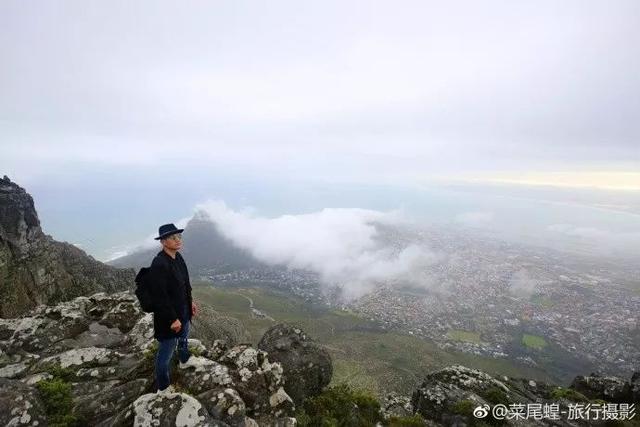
(204, 247)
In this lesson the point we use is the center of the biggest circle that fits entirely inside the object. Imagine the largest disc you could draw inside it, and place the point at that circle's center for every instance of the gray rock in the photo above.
(307, 366)
(165, 410)
(396, 405)
(209, 326)
(611, 389)
(101, 346)
(92, 408)
(20, 404)
(256, 379)
(224, 404)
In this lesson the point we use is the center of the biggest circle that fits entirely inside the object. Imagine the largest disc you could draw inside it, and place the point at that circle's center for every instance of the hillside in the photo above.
(36, 269)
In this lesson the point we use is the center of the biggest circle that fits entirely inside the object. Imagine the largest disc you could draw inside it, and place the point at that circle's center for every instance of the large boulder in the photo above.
(166, 410)
(224, 404)
(607, 388)
(450, 395)
(438, 397)
(307, 365)
(258, 381)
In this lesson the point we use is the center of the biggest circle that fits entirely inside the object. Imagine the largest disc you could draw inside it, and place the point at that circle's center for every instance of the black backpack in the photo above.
(143, 289)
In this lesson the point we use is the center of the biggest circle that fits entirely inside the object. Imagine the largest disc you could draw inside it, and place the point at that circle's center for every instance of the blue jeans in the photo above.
(166, 348)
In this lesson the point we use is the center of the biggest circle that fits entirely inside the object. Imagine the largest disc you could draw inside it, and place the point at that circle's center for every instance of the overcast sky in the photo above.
(134, 101)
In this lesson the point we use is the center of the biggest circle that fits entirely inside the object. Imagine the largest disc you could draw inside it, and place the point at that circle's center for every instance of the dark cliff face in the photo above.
(36, 269)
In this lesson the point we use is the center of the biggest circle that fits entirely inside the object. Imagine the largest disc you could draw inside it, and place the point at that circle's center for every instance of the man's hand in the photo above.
(176, 325)
(194, 309)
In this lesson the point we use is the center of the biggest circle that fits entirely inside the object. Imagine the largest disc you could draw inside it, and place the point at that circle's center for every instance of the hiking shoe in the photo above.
(191, 361)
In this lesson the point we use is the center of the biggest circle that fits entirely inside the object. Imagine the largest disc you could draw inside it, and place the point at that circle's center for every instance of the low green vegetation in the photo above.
(464, 407)
(495, 396)
(57, 398)
(150, 353)
(364, 355)
(342, 405)
(466, 336)
(195, 351)
(413, 421)
(568, 394)
(534, 341)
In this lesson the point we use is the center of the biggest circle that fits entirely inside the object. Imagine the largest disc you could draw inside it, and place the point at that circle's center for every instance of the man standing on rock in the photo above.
(173, 305)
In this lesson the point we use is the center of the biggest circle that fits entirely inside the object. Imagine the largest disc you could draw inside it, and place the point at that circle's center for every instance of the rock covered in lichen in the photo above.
(257, 380)
(100, 348)
(168, 410)
(396, 405)
(202, 374)
(449, 394)
(608, 388)
(224, 404)
(307, 365)
(21, 404)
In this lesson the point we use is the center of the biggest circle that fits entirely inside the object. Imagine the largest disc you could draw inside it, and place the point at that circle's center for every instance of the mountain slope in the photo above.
(204, 248)
(36, 269)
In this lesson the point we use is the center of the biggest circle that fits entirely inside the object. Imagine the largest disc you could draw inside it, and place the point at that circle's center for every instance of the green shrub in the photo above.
(464, 407)
(57, 398)
(65, 374)
(195, 351)
(340, 406)
(150, 353)
(568, 394)
(496, 395)
(55, 394)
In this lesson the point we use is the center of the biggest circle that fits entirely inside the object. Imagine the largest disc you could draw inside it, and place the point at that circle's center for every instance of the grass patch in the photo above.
(413, 421)
(534, 341)
(568, 394)
(466, 336)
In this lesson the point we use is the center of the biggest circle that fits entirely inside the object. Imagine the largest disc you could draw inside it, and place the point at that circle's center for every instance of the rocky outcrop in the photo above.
(101, 348)
(308, 367)
(210, 326)
(607, 388)
(450, 395)
(36, 269)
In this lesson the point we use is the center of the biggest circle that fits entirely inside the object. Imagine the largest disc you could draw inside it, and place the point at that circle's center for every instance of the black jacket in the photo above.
(170, 294)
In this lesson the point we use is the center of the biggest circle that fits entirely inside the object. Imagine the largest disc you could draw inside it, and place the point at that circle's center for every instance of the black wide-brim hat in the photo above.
(167, 230)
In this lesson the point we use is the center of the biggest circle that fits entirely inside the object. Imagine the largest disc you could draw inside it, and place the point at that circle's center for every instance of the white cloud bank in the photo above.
(339, 244)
